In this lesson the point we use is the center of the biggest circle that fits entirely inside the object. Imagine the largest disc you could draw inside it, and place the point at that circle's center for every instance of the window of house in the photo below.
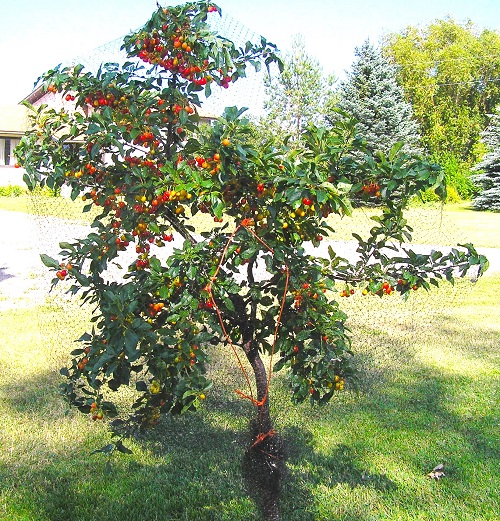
(7, 147)
(3, 150)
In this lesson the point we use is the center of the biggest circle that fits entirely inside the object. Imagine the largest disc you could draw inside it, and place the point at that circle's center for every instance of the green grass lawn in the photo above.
(433, 224)
(449, 225)
(429, 395)
(61, 207)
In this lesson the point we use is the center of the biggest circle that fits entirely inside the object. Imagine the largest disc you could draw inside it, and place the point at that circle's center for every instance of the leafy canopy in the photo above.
(128, 144)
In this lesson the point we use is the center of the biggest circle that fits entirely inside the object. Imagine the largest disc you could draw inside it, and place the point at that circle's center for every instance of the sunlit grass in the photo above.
(61, 207)
(433, 223)
(450, 225)
(429, 395)
(429, 375)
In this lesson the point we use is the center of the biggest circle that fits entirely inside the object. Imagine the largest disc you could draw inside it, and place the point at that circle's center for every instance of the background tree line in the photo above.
(434, 88)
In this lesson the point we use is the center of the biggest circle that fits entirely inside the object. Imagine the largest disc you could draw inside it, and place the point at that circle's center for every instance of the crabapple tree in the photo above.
(129, 147)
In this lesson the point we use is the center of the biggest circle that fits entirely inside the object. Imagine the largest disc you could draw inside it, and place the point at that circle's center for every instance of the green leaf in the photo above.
(93, 129)
(228, 303)
(302, 335)
(49, 261)
(141, 386)
(131, 341)
(155, 264)
(266, 301)
(109, 407)
(107, 449)
(280, 364)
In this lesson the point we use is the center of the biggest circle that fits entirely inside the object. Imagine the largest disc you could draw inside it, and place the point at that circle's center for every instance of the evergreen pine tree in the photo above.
(372, 96)
(489, 177)
(297, 96)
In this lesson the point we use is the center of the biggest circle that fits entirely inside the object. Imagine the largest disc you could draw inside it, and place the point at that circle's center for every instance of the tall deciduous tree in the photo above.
(489, 177)
(449, 73)
(297, 96)
(372, 96)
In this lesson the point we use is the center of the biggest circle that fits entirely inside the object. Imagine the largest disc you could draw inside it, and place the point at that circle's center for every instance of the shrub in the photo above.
(458, 178)
(12, 191)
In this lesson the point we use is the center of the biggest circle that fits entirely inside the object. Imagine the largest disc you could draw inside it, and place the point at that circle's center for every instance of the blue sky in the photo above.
(37, 35)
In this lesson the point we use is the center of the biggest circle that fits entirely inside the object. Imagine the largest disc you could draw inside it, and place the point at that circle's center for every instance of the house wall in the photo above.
(13, 124)
(11, 176)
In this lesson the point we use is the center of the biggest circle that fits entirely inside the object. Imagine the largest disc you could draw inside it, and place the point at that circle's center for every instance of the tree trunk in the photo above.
(263, 461)
(263, 414)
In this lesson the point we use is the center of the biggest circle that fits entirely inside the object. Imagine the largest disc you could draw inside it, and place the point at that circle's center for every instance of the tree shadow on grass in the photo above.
(309, 470)
(434, 394)
(188, 469)
(37, 394)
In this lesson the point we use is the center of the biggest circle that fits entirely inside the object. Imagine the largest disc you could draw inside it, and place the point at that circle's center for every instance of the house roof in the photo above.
(13, 120)
(35, 95)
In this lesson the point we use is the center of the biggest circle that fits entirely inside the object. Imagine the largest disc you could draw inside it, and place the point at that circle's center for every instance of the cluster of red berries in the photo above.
(142, 249)
(175, 52)
(122, 243)
(82, 363)
(212, 164)
(177, 108)
(91, 169)
(225, 81)
(154, 308)
(137, 161)
(386, 289)
(146, 139)
(63, 272)
(173, 55)
(402, 282)
(96, 415)
(99, 99)
(371, 189)
(142, 264)
(69, 97)
(297, 302)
